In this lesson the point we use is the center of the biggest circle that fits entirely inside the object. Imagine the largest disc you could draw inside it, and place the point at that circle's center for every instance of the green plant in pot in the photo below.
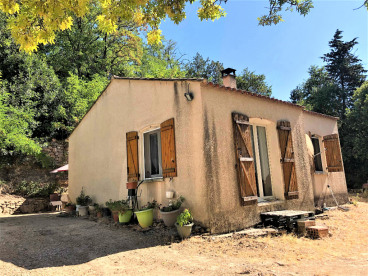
(69, 207)
(114, 207)
(98, 210)
(170, 213)
(184, 224)
(83, 201)
(125, 212)
(145, 214)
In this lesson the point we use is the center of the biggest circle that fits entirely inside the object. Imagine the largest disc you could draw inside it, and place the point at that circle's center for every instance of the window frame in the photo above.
(258, 167)
(319, 139)
(156, 176)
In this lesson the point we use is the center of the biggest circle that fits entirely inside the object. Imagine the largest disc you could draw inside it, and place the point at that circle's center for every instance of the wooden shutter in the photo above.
(132, 156)
(287, 159)
(333, 153)
(244, 159)
(168, 151)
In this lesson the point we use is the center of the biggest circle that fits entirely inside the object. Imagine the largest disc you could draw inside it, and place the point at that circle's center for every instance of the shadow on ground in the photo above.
(46, 240)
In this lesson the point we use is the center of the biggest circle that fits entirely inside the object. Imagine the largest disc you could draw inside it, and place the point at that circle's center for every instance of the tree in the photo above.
(208, 69)
(84, 50)
(35, 22)
(252, 82)
(344, 69)
(14, 127)
(318, 93)
(160, 61)
(356, 147)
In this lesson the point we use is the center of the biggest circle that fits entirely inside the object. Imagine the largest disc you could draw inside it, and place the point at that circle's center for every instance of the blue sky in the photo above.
(283, 52)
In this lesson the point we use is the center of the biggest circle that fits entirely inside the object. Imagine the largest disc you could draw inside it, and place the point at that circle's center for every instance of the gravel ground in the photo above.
(45, 244)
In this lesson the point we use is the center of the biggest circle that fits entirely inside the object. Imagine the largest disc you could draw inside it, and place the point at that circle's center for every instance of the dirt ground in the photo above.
(45, 244)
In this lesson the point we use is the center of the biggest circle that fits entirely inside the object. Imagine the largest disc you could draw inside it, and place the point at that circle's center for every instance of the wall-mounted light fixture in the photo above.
(189, 96)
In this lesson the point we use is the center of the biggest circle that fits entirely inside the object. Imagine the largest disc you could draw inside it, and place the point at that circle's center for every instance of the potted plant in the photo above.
(83, 201)
(184, 224)
(69, 207)
(125, 212)
(98, 210)
(145, 214)
(114, 207)
(170, 213)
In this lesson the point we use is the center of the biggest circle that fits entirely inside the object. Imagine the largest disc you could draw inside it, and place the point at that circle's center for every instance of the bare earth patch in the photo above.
(44, 244)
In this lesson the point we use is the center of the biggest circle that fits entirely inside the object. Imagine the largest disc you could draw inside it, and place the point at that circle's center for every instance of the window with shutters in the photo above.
(317, 154)
(158, 152)
(152, 154)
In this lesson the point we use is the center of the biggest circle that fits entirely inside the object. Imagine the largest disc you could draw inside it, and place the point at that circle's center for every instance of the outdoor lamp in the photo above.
(189, 96)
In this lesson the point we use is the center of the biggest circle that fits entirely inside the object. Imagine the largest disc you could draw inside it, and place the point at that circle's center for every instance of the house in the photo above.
(231, 153)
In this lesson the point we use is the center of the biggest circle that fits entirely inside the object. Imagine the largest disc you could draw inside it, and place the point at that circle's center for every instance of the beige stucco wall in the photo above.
(97, 152)
(224, 200)
(321, 126)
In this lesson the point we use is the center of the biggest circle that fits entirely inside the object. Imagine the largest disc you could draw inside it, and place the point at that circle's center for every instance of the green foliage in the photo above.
(252, 82)
(355, 148)
(83, 199)
(208, 69)
(149, 205)
(184, 218)
(175, 205)
(330, 90)
(35, 189)
(119, 205)
(276, 7)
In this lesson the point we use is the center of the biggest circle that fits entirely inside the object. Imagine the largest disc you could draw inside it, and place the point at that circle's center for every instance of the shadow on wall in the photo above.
(46, 240)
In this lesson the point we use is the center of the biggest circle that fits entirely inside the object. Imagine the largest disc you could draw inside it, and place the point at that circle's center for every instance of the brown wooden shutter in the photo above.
(287, 159)
(168, 151)
(333, 153)
(244, 159)
(132, 156)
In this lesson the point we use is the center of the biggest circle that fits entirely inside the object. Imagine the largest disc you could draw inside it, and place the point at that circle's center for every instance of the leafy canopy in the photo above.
(35, 22)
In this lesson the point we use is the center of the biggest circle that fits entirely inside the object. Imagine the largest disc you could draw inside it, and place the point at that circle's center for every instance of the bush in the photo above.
(175, 205)
(35, 189)
(184, 218)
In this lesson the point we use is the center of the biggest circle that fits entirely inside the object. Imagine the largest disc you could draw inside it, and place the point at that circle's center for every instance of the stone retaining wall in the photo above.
(23, 205)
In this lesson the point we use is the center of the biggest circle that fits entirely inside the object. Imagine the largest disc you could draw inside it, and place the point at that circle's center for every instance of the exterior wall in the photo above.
(97, 147)
(321, 126)
(224, 196)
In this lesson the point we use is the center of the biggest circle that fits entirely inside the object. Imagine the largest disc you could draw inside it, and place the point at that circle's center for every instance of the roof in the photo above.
(204, 81)
(159, 79)
(252, 94)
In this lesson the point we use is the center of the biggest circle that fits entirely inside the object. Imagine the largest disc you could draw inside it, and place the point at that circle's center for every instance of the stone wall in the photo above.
(10, 204)
(15, 169)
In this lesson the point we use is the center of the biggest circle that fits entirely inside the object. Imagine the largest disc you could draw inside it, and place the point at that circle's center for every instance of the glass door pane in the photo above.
(265, 165)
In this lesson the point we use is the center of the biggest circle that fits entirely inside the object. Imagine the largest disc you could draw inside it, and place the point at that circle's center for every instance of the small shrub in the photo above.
(184, 218)
(83, 200)
(175, 205)
(149, 205)
(120, 205)
(35, 189)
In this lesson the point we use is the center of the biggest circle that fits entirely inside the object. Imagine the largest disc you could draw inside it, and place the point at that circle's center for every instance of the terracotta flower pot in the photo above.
(99, 214)
(115, 215)
(131, 185)
(169, 218)
(69, 209)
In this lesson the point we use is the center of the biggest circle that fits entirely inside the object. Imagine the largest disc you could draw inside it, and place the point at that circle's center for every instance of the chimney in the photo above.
(228, 77)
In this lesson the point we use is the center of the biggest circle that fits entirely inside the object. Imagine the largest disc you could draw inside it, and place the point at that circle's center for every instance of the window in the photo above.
(317, 155)
(261, 161)
(152, 154)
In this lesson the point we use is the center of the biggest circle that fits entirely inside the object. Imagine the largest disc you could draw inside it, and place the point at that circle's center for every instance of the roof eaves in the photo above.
(321, 114)
(103, 91)
(158, 79)
(252, 94)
